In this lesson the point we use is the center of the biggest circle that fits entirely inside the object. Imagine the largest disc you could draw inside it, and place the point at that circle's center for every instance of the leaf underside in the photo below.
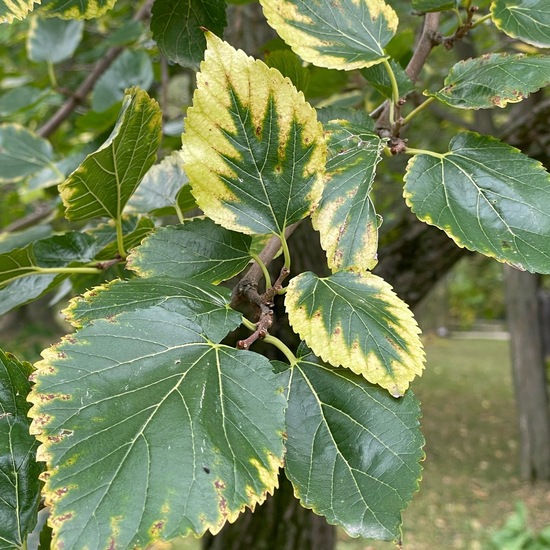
(144, 400)
(350, 35)
(353, 452)
(488, 197)
(356, 321)
(253, 149)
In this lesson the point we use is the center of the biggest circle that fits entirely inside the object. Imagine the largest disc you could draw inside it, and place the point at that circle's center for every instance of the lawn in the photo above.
(470, 484)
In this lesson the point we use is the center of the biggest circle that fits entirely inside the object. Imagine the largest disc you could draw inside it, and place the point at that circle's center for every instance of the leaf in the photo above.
(22, 153)
(353, 452)
(176, 26)
(103, 183)
(53, 40)
(291, 66)
(356, 321)
(494, 80)
(345, 35)
(488, 197)
(422, 6)
(25, 290)
(21, 99)
(19, 471)
(142, 401)
(56, 251)
(345, 218)
(201, 302)
(134, 229)
(76, 9)
(254, 154)
(528, 20)
(131, 68)
(159, 188)
(198, 248)
(378, 78)
(11, 10)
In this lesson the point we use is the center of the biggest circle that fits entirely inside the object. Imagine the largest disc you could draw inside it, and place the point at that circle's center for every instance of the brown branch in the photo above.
(84, 89)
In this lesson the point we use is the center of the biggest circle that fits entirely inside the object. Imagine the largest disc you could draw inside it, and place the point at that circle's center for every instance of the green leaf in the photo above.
(528, 20)
(19, 471)
(356, 321)
(254, 154)
(345, 218)
(21, 99)
(131, 68)
(422, 6)
(494, 80)
(197, 248)
(76, 9)
(177, 28)
(291, 66)
(353, 452)
(346, 35)
(134, 229)
(56, 251)
(25, 290)
(488, 197)
(378, 78)
(160, 186)
(22, 153)
(53, 40)
(141, 401)
(201, 302)
(104, 182)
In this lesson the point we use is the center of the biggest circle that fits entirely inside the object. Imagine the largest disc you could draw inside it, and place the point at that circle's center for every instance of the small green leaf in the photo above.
(141, 401)
(76, 9)
(53, 40)
(345, 218)
(201, 302)
(422, 6)
(160, 186)
(56, 251)
(254, 154)
(19, 471)
(198, 248)
(21, 99)
(378, 78)
(356, 321)
(22, 153)
(494, 80)
(134, 229)
(104, 182)
(132, 68)
(176, 27)
(528, 20)
(346, 35)
(488, 197)
(291, 66)
(15, 9)
(353, 452)
(25, 290)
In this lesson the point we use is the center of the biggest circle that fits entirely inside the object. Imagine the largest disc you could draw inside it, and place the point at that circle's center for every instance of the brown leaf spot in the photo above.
(337, 331)
(112, 544)
(219, 485)
(258, 131)
(223, 507)
(59, 520)
(61, 355)
(157, 527)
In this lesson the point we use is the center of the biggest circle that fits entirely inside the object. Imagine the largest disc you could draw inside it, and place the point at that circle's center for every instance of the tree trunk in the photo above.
(529, 372)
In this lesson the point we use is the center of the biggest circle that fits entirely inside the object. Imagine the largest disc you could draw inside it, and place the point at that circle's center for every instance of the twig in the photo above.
(84, 89)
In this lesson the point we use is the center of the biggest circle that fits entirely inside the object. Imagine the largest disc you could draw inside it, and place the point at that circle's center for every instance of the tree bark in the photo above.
(529, 373)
